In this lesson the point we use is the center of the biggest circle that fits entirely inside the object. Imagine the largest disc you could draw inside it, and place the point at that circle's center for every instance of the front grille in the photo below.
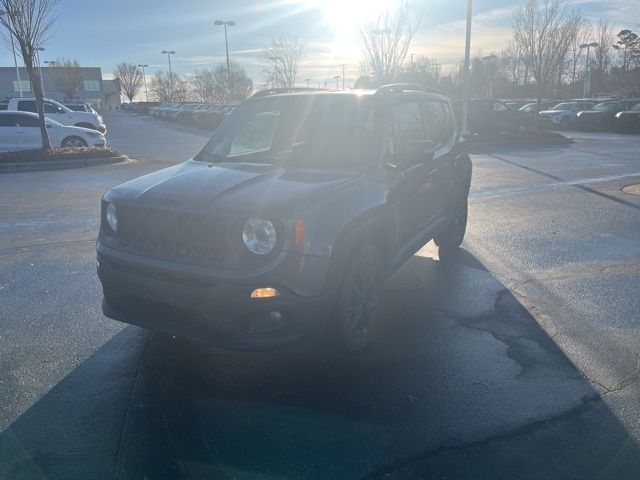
(180, 236)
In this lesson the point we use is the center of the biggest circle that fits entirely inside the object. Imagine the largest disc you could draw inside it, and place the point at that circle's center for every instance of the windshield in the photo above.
(563, 106)
(306, 131)
(636, 107)
(528, 107)
(605, 107)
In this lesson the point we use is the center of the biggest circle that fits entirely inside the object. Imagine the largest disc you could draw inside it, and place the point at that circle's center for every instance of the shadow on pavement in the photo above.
(463, 384)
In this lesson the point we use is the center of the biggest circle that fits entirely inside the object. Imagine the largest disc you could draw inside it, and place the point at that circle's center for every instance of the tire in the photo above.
(86, 125)
(356, 320)
(453, 236)
(74, 142)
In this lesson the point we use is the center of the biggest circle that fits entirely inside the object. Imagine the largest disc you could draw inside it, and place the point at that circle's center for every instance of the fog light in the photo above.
(266, 292)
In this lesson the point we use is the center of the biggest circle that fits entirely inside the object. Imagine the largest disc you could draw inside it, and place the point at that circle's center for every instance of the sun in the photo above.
(348, 15)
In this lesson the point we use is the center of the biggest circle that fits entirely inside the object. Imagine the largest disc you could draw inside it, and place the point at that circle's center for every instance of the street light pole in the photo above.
(586, 89)
(226, 23)
(38, 50)
(144, 79)
(467, 52)
(168, 53)
(489, 60)
(15, 59)
(275, 64)
(337, 77)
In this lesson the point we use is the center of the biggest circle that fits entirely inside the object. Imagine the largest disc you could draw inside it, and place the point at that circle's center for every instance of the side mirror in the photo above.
(414, 153)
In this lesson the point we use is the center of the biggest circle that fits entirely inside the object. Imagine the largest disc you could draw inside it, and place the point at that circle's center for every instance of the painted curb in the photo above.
(61, 164)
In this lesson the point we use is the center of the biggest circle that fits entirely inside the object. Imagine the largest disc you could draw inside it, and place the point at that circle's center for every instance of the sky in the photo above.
(103, 33)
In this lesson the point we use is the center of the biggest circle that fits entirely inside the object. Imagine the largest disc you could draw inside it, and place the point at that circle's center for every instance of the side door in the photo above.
(410, 192)
(28, 134)
(58, 114)
(7, 133)
(441, 131)
(504, 118)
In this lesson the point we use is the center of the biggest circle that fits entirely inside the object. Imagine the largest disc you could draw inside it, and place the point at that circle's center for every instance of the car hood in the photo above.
(88, 116)
(592, 113)
(553, 112)
(229, 189)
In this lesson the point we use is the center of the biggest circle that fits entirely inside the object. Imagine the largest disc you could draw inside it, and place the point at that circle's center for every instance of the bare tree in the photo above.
(385, 41)
(575, 53)
(220, 85)
(281, 60)
(539, 28)
(29, 22)
(167, 87)
(130, 77)
(511, 64)
(602, 53)
(66, 76)
(570, 33)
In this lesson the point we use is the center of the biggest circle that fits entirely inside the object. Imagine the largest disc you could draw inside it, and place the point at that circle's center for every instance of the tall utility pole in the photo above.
(467, 54)
(275, 65)
(226, 23)
(15, 59)
(586, 90)
(343, 65)
(144, 79)
(168, 53)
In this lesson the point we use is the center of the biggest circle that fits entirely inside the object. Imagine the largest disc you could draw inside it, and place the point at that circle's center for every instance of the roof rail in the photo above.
(276, 91)
(406, 87)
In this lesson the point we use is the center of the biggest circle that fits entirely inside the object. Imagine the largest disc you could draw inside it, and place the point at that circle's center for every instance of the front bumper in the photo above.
(102, 128)
(213, 309)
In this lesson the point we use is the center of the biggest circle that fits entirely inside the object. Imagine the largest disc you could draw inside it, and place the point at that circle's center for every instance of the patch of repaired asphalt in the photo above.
(632, 189)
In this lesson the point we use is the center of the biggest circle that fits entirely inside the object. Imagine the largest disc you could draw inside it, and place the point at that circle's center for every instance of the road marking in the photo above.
(506, 191)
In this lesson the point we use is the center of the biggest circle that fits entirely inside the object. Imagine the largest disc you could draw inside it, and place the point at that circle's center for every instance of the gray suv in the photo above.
(286, 224)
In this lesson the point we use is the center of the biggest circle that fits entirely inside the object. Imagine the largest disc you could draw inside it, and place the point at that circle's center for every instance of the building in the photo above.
(93, 89)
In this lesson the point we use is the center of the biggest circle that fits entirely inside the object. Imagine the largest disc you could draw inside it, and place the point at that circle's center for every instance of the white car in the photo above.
(59, 113)
(21, 131)
(564, 114)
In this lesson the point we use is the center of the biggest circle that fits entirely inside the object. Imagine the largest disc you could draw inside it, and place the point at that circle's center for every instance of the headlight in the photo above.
(111, 216)
(259, 236)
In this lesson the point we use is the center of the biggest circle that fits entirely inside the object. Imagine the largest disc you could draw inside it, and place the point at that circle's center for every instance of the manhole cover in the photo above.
(632, 189)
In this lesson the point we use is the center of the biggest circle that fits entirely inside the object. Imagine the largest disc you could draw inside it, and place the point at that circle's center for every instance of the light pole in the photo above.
(337, 77)
(275, 64)
(38, 50)
(467, 52)
(168, 53)
(15, 59)
(144, 79)
(586, 90)
(307, 80)
(226, 23)
(489, 59)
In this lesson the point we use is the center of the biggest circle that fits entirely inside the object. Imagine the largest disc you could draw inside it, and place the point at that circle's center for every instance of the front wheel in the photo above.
(356, 319)
(453, 236)
(74, 142)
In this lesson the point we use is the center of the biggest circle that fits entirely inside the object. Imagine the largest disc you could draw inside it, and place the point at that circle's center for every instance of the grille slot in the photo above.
(185, 237)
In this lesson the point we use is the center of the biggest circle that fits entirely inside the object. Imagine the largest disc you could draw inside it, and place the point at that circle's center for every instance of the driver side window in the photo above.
(408, 126)
(51, 108)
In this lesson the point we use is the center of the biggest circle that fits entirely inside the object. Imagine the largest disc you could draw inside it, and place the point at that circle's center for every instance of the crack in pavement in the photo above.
(586, 404)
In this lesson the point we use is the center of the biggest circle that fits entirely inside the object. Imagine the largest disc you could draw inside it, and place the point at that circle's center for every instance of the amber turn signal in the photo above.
(266, 292)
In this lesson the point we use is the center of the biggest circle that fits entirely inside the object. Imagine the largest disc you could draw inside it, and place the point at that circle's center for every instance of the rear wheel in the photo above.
(453, 236)
(74, 142)
(356, 319)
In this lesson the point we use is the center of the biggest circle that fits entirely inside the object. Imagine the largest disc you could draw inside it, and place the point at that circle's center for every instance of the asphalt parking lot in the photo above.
(520, 359)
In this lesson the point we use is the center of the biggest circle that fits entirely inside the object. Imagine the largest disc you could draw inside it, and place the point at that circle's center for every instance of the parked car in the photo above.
(603, 115)
(80, 107)
(531, 109)
(175, 113)
(58, 112)
(144, 107)
(286, 223)
(21, 131)
(188, 116)
(563, 115)
(492, 116)
(210, 118)
(628, 120)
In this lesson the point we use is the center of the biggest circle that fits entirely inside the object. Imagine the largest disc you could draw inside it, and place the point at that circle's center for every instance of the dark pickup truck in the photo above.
(286, 224)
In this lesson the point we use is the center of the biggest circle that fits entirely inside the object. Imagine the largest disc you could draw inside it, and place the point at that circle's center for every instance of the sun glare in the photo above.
(346, 15)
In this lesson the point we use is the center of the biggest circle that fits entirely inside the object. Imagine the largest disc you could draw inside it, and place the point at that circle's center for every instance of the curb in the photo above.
(61, 164)
(529, 142)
